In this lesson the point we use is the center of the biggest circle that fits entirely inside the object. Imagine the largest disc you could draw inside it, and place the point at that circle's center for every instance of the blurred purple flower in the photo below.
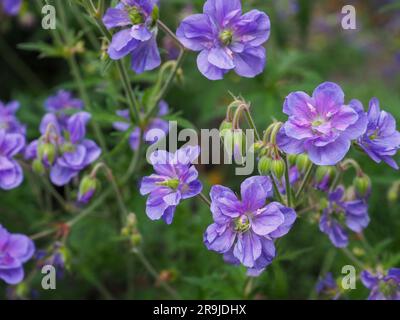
(8, 119)
(138, 34)
(15, 250)
(244, 230)
(11, 7)
(227, 39)
(327, 287)
(381, 139)
(383, 287)
(76, 151)
(322, 125)
(55, 256)
(340, 213)
(149, 135)
(175, 179)
(11, 174)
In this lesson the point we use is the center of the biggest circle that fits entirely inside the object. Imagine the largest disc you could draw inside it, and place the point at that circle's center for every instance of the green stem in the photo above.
(353, 258)
(203, 197)
(305, 181)
(287, 182)
(146, 263)
(276, 189)
(251, 122)
(168, 31)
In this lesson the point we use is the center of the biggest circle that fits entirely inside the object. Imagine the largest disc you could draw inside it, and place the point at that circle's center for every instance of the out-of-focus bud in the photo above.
(225, 125)
(362, 185)
(47, 152)
(131, 220)
(278, 168)
(136, 239)
(302, 162)
(292, 158)
(38, 167)
(323, 172)
(264, 165)
(393, 193)
(87, 189)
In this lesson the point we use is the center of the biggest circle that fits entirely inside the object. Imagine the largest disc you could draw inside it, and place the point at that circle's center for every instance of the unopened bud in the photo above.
(302, 162)
(264, 165)
(323, 172)
(136, 239)
(278, 168)
(257, 146)
(292, 158)
(362, 184)
(225, 125)
(47, 152)
(38, 167)
(87, 189)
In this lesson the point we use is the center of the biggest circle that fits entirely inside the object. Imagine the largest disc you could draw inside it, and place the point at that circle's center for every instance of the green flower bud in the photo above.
(362, 185)
(47, 151)
(87, 188)
(225, 125)
(234, 143)
(38, 167)
(393, 194)
(292, 158)
(278, 168)
(257, 146)
(322, 172)
(302, 162)
(264, 165)
(136, 239)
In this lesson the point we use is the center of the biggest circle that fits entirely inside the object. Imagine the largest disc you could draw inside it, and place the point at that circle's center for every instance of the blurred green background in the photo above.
(307, 46)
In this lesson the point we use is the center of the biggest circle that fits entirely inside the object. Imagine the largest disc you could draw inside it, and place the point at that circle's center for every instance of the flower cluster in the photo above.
(382, 286)
(227, 39)
(339, 212)
(11, 7)
(244, 229)
(148, 134)
(62, 147)
(15, 250)
(175, 179)
(137, 37)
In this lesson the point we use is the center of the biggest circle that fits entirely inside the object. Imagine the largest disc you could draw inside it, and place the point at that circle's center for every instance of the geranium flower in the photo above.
(227, 39)
(322, 126)
(176, 179)
(8, 120)
(383, 287)
(244, 229)
(11, 7)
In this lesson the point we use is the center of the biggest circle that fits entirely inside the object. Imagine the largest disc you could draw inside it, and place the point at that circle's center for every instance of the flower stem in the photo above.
(251, 122)
(276, 190)
(305, 181)
(287, 182)
(205, 199)
(168, 31)
(353, 258)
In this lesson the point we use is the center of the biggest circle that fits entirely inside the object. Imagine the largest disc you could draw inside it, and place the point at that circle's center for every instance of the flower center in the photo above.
(374, 135)
(242, 224)
(388, 288)
(171, 183)
(226, 37)
(317, 122)
(135, 15)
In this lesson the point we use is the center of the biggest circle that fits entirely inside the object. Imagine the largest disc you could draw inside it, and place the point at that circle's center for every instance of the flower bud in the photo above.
(38, 167)
(136, 239)
(257, 146)
(393, 193)
(234, 143)
(47, 152)
(323, 172)
(292, 158)
(225, 125)
(362, 185)
(264, 165)
(87, 189)
(278, 168)
(302, 162)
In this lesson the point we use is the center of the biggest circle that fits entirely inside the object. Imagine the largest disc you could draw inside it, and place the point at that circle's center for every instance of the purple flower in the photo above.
(327, 287)
(381, 140)
(8, 119)
(70, 152)
(322, 125)
(137, 36)
(15, 250)
(340, 213)
(155, 129)
(244, 230)
(11, 174)
(383, 287)
(175, 179)
(11, 7)
(294, 176)
(227, 39)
